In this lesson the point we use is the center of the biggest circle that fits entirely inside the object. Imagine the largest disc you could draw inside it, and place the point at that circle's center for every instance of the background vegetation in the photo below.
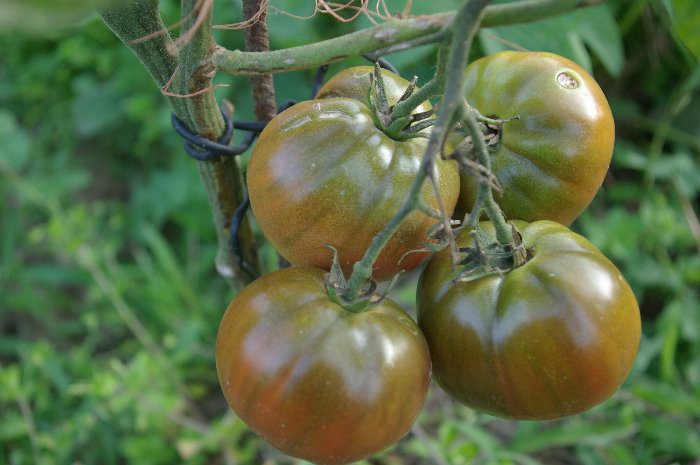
(109, 301)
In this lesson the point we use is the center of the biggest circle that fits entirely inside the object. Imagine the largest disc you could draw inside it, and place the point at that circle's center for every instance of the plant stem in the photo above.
(257, 40)
(485, 198)
(390, 36)
(472, 219)
(464, 27)
(139, 26)
(328, 51)
(431, 89)
(221, 176)
(264, 104)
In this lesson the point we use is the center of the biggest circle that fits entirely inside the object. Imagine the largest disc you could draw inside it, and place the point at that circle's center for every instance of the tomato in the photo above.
(315, 380)
(548, 339)
(323, 173)
(552, 160)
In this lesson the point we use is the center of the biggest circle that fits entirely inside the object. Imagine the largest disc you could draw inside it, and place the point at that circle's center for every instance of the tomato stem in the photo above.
(504, 233)
(464, 28)
(432, 88)
(472, 218)
(392, 36)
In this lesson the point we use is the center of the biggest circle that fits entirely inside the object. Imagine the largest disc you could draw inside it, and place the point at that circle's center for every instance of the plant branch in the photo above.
(222, 176)
(194, 75)
(392, 35)
(257, 40)
(133, 21)
(464, 27)
(264, 104)
(485, 198)
(431, 89)
(138, 24)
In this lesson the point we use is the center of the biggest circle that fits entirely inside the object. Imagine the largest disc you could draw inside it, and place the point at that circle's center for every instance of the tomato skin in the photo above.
(551, 161)
(317, 381)
(551, 338)
(322, 173)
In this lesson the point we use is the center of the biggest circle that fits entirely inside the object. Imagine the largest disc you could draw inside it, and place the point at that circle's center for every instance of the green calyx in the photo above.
(486, 256)
(337, 286)
(396, 125)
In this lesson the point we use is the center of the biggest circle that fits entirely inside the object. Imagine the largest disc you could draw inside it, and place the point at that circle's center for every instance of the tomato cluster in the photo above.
(332, 382)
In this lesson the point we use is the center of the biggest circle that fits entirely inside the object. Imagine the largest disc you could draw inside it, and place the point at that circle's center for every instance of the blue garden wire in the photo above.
(203, 149)
(383, 63)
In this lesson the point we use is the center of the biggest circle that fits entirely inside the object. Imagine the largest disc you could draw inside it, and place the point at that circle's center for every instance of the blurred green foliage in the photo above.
(109, 302)
(42, 17)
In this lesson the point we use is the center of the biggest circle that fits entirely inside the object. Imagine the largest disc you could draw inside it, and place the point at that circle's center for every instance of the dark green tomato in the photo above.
(322, 173)
(317, 381)
(551, 338)
(355, 83)
(552, 160)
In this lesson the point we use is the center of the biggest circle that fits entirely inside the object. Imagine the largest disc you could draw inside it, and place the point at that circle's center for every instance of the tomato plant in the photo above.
(551, 160)
(315, 380)
(323, 172)
(550, 338)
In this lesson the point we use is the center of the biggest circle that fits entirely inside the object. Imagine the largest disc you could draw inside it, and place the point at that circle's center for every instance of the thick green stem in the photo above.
(465, 25)
(328, 51)
(221, 176)
(393, 35)
(194, 75)
(138, 24)
(463, 31)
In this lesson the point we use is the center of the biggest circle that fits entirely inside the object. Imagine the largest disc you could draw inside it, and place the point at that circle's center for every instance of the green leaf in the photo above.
(670, 335)
(569, 35)
(10, 383)
(14, 141)
(668, 434)
(667, 397)
(572, 434)
(680, 168)
(96, 106)
(686, 17)
(13, 427)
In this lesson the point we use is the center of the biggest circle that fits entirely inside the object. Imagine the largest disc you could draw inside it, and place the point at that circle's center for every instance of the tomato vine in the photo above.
(298, 172)
(140, 27)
